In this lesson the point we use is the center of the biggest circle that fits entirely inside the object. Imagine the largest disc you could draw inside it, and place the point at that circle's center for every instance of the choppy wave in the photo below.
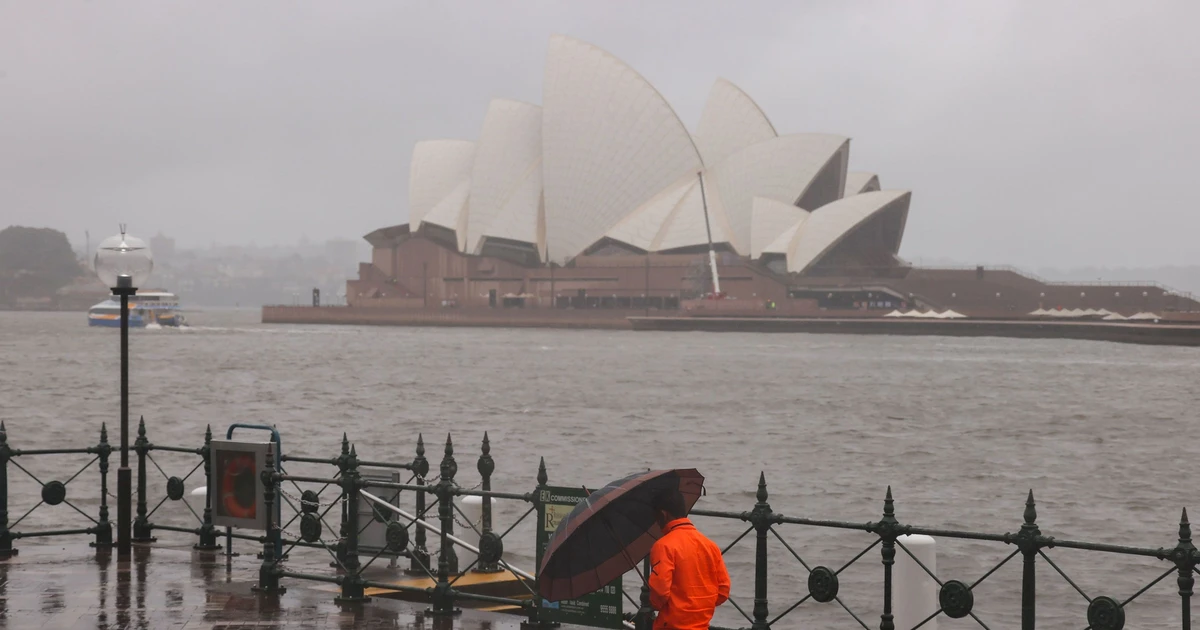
(960, 428)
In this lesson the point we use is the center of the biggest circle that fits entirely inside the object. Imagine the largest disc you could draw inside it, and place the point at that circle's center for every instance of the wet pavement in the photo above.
(70, 587)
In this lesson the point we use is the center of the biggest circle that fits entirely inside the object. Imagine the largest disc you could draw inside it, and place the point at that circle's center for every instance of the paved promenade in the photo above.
(69, 587)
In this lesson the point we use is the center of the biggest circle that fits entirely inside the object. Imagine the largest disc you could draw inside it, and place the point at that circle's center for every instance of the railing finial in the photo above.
(761, 495)
(1185, 528)
(1030, 509)
(420, 445)
(542, 477)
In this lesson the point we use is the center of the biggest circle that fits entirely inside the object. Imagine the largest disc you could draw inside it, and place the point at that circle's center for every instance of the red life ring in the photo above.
(238, 486)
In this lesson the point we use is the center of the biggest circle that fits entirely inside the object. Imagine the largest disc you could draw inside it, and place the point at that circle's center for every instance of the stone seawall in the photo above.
(1152, 334)
(493, 318)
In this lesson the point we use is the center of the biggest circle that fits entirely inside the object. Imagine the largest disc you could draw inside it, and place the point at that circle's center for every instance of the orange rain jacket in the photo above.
(688, 579)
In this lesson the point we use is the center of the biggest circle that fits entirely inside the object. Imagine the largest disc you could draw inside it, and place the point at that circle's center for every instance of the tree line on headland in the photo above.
(35, 263)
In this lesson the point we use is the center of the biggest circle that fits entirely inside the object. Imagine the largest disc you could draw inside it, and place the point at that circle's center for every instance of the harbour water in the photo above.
(960, 428)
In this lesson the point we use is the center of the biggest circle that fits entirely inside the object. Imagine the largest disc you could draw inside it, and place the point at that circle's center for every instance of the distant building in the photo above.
(342, 253)
(162, 247)
(601, 198)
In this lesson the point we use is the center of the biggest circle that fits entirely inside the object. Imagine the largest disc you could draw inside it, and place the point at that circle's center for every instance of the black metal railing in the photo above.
(956, 598)
(339, 482)
(54, 493)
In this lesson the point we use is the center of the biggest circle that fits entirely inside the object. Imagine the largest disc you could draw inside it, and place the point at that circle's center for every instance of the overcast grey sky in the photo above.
(1033, 133)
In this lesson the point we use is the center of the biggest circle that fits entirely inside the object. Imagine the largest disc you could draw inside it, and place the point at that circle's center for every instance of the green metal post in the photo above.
(104, 529)
(268, 572)
(1185, 559)
(141, 525)
(534, 621)
(486, 467)
(208, 533)
(419, 556)
(6, 548)
(352, 583)
(443, 594)
(761, 518)
(1027, 542)
(887, 533)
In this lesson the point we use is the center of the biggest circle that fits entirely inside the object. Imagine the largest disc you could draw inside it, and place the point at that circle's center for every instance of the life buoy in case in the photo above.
(239, 486)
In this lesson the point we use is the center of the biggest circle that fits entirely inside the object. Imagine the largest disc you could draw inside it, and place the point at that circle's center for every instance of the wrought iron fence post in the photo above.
(6, 548)
(340, 557)
(761, 518)
(268, 572)
(1028, 543)
(208, 533)
(352, 587)
(1184, 556)
(887, 531)
(104, 526)
(486, 467)
(141, 525)
(419, 556)
(443, 594)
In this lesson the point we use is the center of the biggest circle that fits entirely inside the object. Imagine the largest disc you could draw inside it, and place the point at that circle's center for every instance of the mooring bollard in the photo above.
(103, 526)
(419, 556)
(916, 594)
(6, 548)
(208, 533)
(141, 525)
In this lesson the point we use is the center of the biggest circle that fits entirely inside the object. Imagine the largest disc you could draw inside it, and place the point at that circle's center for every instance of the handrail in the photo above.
(451, 537)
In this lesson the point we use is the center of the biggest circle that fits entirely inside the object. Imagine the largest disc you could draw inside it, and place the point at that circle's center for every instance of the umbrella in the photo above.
(609, 532)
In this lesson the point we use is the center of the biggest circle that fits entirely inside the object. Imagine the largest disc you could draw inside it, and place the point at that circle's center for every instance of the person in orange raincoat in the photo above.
(688, 579)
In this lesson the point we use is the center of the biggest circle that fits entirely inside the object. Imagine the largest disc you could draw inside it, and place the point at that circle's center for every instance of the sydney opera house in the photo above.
(602, 198)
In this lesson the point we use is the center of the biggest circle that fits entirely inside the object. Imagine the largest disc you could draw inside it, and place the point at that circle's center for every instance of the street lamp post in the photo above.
(122, 262)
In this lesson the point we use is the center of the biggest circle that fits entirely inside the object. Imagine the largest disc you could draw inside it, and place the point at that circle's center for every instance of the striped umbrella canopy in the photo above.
(610, 532)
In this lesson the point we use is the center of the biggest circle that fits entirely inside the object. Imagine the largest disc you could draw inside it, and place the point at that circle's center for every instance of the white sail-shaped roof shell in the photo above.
(451, 212)
(686, 228)
(438, 168)
(770, 219)
(829, 225)
(610, 142)
(506, 179)
(730, 122)
(642, 227)
(859, 182)
(784, 242)
(782, 169)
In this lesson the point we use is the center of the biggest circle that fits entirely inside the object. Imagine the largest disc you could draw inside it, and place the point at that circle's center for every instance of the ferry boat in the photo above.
(145, 309)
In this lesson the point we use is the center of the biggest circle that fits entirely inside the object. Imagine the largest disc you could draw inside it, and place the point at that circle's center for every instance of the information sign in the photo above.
(601, 609)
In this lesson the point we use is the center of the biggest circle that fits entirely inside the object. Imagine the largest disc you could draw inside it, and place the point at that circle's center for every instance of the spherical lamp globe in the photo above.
(123, 255)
